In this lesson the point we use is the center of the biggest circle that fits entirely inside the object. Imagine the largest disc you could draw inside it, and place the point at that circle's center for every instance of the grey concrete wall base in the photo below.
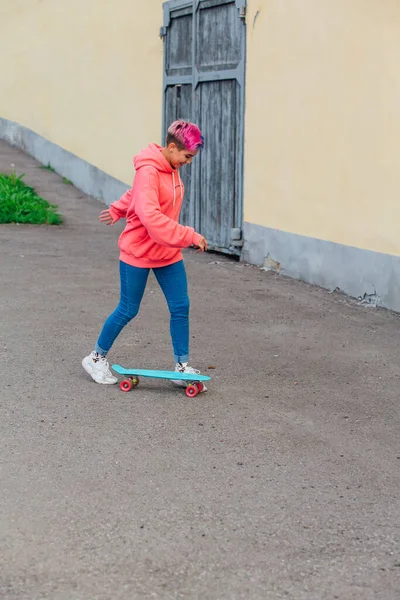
(83, 175)
(356, 272)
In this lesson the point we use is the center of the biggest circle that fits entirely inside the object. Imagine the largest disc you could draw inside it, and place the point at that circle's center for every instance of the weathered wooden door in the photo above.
(204, 76)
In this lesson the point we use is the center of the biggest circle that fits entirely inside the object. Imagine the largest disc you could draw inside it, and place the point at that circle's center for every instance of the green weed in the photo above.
(47, 167)
(19, 203)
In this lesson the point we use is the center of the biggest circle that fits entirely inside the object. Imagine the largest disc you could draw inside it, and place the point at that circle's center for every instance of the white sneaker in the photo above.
(183, 368)
(98, 368)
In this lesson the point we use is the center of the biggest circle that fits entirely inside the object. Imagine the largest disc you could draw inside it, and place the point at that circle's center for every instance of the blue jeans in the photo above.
(173, 282)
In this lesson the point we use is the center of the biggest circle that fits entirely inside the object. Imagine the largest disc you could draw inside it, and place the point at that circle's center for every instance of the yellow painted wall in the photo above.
(322, 154)
(85, 74)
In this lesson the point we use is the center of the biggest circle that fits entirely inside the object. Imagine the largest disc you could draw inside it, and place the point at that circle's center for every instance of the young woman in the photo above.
(153, 239)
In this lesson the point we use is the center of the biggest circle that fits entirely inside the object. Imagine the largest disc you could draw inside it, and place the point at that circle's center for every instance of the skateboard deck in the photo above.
(194, 381)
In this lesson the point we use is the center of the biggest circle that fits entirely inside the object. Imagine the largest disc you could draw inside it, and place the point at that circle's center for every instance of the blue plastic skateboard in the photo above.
(193, 388)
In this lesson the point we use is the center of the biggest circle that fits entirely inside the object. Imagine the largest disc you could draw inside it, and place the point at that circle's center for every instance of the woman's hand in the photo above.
(202, 245)
(106, 217)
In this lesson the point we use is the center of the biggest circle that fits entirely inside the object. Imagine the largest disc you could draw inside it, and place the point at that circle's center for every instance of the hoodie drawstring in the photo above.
(180, 185)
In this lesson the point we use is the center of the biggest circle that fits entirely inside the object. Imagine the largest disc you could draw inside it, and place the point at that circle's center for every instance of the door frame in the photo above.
(196, 77)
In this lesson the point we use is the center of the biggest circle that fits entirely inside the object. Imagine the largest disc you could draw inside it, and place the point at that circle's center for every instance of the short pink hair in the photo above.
(185, 135)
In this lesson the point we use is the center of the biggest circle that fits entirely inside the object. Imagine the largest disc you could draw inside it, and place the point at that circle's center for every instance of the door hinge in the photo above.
(163, 32)
(236, 236)
(242, 12)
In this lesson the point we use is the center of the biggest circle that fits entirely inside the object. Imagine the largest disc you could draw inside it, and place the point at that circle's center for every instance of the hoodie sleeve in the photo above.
(119, 208)
(162, 229)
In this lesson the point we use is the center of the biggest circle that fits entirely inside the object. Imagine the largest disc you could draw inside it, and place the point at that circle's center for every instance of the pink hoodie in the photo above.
(152, 236)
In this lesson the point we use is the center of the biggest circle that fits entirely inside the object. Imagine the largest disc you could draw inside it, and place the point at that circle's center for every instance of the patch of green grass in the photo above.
(67, 181)
(47, 167)
(19, 203)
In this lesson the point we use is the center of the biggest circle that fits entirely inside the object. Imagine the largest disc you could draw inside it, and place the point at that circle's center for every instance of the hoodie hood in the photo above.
(152, 157)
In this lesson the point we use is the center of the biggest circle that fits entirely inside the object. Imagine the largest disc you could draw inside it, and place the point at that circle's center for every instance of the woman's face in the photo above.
(178, 158)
